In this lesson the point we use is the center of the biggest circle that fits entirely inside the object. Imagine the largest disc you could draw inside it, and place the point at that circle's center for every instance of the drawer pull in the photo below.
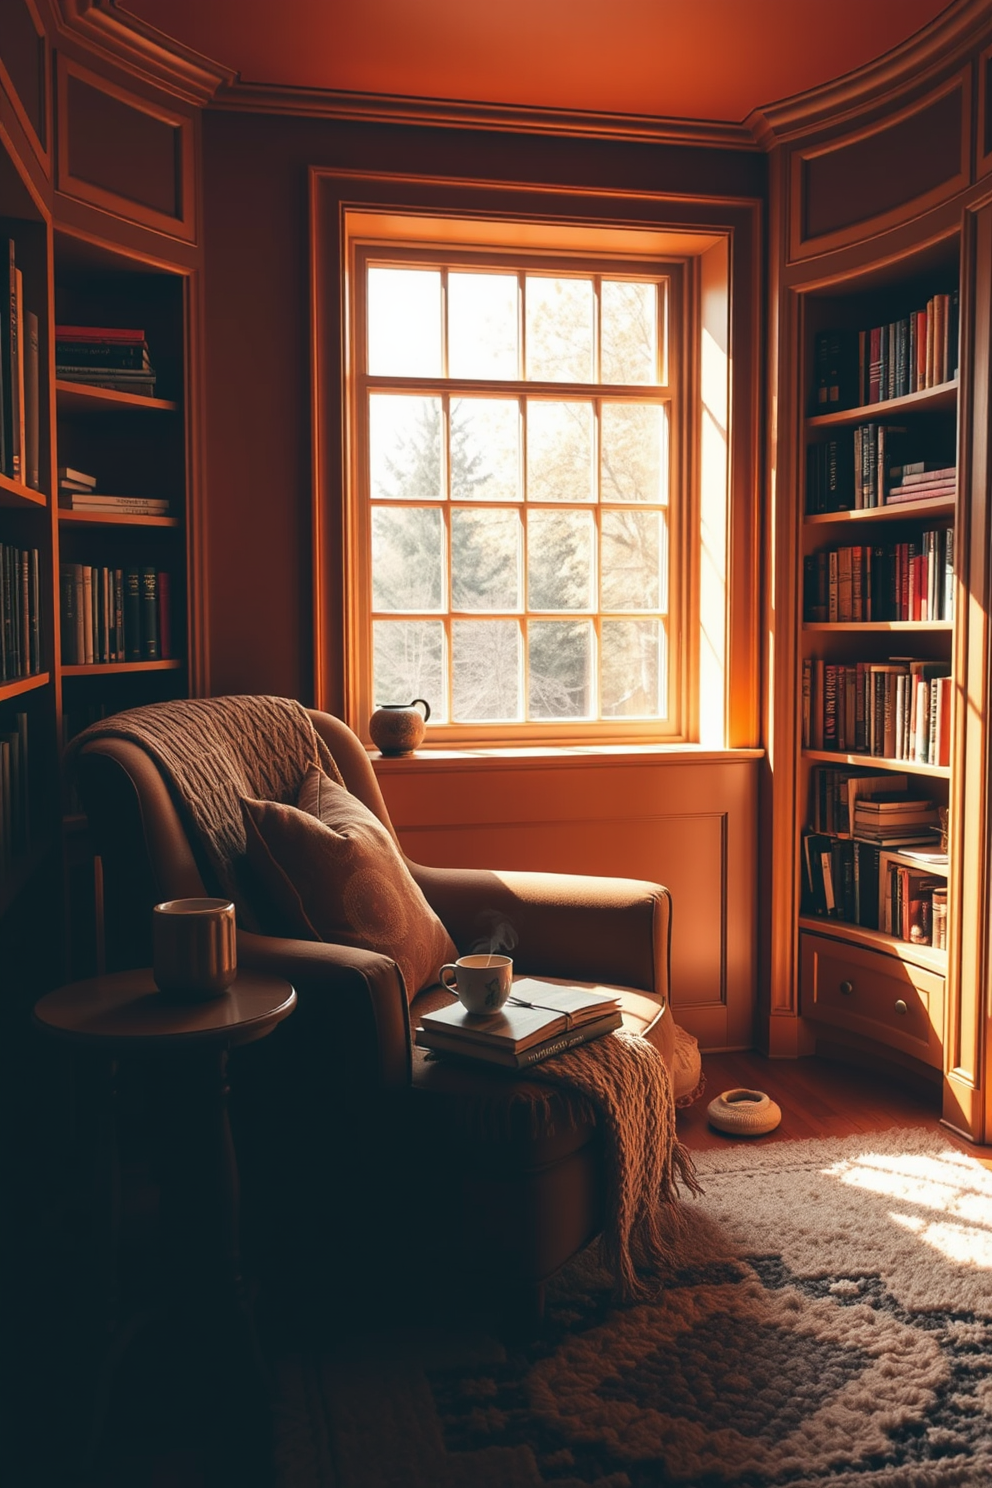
(846, 988)
(901, 1006)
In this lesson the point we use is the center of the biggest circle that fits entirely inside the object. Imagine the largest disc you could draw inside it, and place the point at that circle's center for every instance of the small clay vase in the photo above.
(397, 728)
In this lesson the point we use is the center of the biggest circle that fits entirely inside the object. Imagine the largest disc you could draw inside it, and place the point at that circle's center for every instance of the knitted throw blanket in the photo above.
(213, 751)
(625, 1079)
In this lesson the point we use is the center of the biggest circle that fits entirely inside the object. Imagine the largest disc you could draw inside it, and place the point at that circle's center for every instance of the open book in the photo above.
(537, 1011)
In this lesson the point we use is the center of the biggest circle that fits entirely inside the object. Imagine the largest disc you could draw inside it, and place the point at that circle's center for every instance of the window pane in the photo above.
(485, 449)
(407, 558)
(560, 680)
(559, 451)
(634, 452)
(408, 662)
(632, 667)
(629, 331)
(404, 322)
(633, 560)
(485, 559)
(486, 671)
(559, 329)
(405, 448)
(560, 560)
(482, 325)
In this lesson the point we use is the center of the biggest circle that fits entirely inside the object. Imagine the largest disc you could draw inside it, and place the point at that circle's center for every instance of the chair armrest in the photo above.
(352, 1015)
(613, 930)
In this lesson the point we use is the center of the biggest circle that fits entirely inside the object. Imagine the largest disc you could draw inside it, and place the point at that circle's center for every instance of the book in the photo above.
(132, 614)
(77, 477)
(32, 425)
(521, 1059)
(164, 615)
(148, 619)
(136, 505)
(9, 356)
(537, 1011)
(97, 333)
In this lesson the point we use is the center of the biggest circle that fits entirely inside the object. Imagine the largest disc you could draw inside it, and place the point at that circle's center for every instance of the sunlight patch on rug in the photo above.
(828, 1325)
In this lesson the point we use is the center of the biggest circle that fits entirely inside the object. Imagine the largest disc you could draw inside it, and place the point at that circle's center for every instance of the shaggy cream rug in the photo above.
(829, 1325)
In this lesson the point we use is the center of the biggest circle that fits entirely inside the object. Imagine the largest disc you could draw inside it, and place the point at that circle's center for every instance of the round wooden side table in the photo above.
(123, 1017)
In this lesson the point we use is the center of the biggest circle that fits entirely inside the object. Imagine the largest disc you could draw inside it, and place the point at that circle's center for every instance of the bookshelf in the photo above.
(877, 558)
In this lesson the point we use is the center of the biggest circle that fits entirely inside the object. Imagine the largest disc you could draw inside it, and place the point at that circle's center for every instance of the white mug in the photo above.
(481, 983)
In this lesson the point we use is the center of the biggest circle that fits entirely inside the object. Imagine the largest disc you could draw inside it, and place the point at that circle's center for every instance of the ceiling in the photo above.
(693, 59)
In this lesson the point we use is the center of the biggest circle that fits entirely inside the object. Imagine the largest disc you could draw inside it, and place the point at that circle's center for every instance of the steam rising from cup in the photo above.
(501, 939)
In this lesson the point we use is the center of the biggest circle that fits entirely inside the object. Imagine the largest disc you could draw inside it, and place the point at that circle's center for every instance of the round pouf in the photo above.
(744, 1113)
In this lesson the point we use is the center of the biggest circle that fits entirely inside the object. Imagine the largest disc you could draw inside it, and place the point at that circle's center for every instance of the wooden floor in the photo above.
(818, 1098)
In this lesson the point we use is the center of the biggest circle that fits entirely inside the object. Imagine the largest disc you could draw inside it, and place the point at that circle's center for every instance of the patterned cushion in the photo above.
(327, 869)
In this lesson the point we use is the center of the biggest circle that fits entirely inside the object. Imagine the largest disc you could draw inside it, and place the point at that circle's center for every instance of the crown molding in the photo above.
(142, 50)
(949, 38)
(381, 108)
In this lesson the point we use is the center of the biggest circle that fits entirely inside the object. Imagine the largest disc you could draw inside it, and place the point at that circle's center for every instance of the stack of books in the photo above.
(78, 492)
(892, 818)
(540, 1019)
(104, 356)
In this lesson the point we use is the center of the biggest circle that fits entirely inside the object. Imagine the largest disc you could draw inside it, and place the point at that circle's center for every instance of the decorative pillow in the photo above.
(327, 869)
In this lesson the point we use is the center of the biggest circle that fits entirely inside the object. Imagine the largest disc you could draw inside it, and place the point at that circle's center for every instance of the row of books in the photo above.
(114, 614)
(540, 1020)
(898, 709)
(78, 492)
(15, 825)
(854, 470)
(902, 893)
(105, 356)
(854, 369)
(20, 634)
(19, 375)
(901, 581)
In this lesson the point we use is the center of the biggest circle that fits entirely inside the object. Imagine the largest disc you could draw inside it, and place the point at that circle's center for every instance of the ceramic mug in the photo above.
(194, 950)
(481, 983)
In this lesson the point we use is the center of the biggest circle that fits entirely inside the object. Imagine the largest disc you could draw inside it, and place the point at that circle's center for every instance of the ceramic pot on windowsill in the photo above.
(397, 728)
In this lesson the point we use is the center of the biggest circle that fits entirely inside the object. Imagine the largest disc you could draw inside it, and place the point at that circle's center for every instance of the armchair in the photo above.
(360, 1145)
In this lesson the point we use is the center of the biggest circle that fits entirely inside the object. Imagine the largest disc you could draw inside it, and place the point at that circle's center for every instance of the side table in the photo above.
(124, 1017)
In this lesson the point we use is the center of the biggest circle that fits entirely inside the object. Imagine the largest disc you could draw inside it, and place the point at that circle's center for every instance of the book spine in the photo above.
(32, 423)
(149, 614)
(8, 354)
(132, 614)
(20, 430)
(164, 615)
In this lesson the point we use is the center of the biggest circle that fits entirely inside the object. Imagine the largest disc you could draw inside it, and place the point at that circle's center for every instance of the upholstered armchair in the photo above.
(359, 1145)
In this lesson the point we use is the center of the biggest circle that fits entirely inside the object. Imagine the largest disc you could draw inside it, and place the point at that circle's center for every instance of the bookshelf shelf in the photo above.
(876, 940)
(24, 685)
(898, 512)
(114, 668)
(876, 762)
(877, 626)
(78, 397)
(942, 397)
(13, 494)
(112, 519)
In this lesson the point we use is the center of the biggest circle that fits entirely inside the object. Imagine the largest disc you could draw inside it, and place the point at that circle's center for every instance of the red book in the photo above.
(874, 364)
(98, 333)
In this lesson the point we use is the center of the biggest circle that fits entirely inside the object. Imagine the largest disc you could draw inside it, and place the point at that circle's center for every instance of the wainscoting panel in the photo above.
(688, 823)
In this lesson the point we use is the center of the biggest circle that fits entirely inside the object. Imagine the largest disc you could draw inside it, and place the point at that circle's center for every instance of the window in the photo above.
(519, 504)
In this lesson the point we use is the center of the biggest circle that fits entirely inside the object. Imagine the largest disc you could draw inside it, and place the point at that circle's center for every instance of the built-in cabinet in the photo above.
(97, 228)
(878, 592)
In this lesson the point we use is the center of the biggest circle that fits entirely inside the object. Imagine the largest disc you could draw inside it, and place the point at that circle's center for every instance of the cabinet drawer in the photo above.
(873, 994)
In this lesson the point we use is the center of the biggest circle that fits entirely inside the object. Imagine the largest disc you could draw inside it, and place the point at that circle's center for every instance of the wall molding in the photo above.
(951, 38)
(144, 51)
(380, 108)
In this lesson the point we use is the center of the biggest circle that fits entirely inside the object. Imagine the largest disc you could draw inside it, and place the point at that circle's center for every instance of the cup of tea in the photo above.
(194, 949)
(481, 983)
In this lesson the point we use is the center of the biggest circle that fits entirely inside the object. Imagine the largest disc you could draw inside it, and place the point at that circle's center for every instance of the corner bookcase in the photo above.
(878, 413)
(104, 275)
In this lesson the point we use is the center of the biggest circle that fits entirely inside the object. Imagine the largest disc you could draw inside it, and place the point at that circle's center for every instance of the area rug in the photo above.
(829, 1323)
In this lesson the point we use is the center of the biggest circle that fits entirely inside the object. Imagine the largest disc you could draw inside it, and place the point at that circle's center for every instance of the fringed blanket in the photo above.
(213, 751)
(625, 1079)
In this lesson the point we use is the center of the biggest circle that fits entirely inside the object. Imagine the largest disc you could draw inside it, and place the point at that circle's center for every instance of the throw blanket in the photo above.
(213, 751)
(625, 1078)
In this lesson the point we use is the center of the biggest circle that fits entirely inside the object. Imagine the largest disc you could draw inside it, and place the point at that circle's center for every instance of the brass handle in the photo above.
(901, 1006)
(846, 988)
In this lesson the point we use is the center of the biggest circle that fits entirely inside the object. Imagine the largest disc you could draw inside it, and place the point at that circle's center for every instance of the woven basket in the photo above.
(744, 1113)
